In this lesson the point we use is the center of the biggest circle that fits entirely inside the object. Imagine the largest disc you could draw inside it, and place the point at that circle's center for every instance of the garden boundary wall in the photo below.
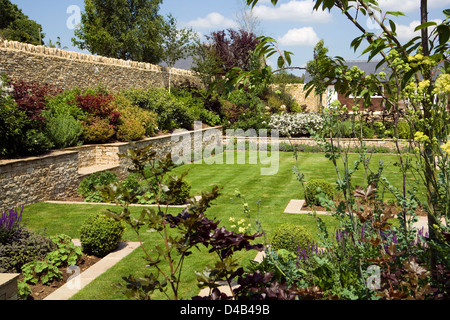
(67, 69)
(298, 93)
(57, 175)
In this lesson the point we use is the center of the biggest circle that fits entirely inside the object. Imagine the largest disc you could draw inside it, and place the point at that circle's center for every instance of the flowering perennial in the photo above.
(296, 124)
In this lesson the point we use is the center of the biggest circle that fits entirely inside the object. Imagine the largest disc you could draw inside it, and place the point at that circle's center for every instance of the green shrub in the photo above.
(97, 130)
(64, 130)
(172, 113)
(134, 122)
(314, 188)
(90, 186)
(13, 122)
(290, 237)
(368, 132)
(36, 142)
(65, 102)
(380, 129)
(100, 235)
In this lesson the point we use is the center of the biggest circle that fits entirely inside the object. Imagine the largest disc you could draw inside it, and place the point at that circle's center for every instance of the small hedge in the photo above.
(290, 237)
(314, 188)
(100, 235)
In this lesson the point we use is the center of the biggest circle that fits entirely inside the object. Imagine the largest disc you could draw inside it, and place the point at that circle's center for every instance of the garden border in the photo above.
(69, 289)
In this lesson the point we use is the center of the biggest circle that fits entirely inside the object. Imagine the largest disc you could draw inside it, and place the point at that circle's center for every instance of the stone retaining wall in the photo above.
(56, 176)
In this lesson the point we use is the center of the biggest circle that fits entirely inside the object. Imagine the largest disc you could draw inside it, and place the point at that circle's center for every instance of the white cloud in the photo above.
(305, 36)
(213, 20)
(300, 11)
(405, 33)
(409, 5)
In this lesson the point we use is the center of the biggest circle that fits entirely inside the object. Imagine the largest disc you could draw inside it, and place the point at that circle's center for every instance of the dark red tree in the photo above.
(233, 48)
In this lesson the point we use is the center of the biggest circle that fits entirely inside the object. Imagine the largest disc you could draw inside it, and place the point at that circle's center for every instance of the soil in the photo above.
(40, 291)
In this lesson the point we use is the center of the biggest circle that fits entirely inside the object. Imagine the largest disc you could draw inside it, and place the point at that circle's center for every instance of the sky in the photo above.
(293, 23)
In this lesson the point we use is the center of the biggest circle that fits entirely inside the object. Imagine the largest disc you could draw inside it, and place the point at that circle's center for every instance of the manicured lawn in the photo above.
(266, 195)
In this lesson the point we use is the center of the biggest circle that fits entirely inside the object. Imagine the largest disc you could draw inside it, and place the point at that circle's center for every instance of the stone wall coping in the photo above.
(71, 150)
(119, 144)
(84, 57)
(51, 154)
(8, 277)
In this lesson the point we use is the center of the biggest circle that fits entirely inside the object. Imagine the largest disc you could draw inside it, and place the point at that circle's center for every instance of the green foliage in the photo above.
(64, 130)
(404, 130)
(367, 130)
(40, 271)
(97, 130)
(282, 264)
(134, 122)
(65, 254)
(46, 270)
(100, 235)
(180, 190)
(13, 124)
(316, 188)
(16, 26)
(23, 290)
(172, 113)
(90, 187)
(65, 102)
(244, 110)
(194, 100)
(290, 237)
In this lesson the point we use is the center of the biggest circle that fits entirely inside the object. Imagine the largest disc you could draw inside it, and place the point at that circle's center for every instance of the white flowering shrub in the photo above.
(296, 124)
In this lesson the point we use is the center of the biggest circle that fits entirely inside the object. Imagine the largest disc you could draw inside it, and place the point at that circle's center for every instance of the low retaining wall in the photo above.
(352, 143)
(56, 176)
(343, 142)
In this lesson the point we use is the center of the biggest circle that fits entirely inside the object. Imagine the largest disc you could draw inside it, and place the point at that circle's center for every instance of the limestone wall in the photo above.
(34, 179)
(56, 176)
(298, 93)
(67, 69)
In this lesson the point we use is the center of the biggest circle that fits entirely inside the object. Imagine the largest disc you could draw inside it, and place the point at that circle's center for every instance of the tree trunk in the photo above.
(424, 19)
(430, 166)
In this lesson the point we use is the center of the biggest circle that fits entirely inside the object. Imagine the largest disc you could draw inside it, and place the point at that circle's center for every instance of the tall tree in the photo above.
(317, 69)
(123, 29)
(223, 51)
(175, 43)
(16, 26)
(234, 48)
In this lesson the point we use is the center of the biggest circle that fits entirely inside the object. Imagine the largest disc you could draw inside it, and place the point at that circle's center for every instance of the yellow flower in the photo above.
(421, 137)
(424, 84)
(442, 84)
(446, 147)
